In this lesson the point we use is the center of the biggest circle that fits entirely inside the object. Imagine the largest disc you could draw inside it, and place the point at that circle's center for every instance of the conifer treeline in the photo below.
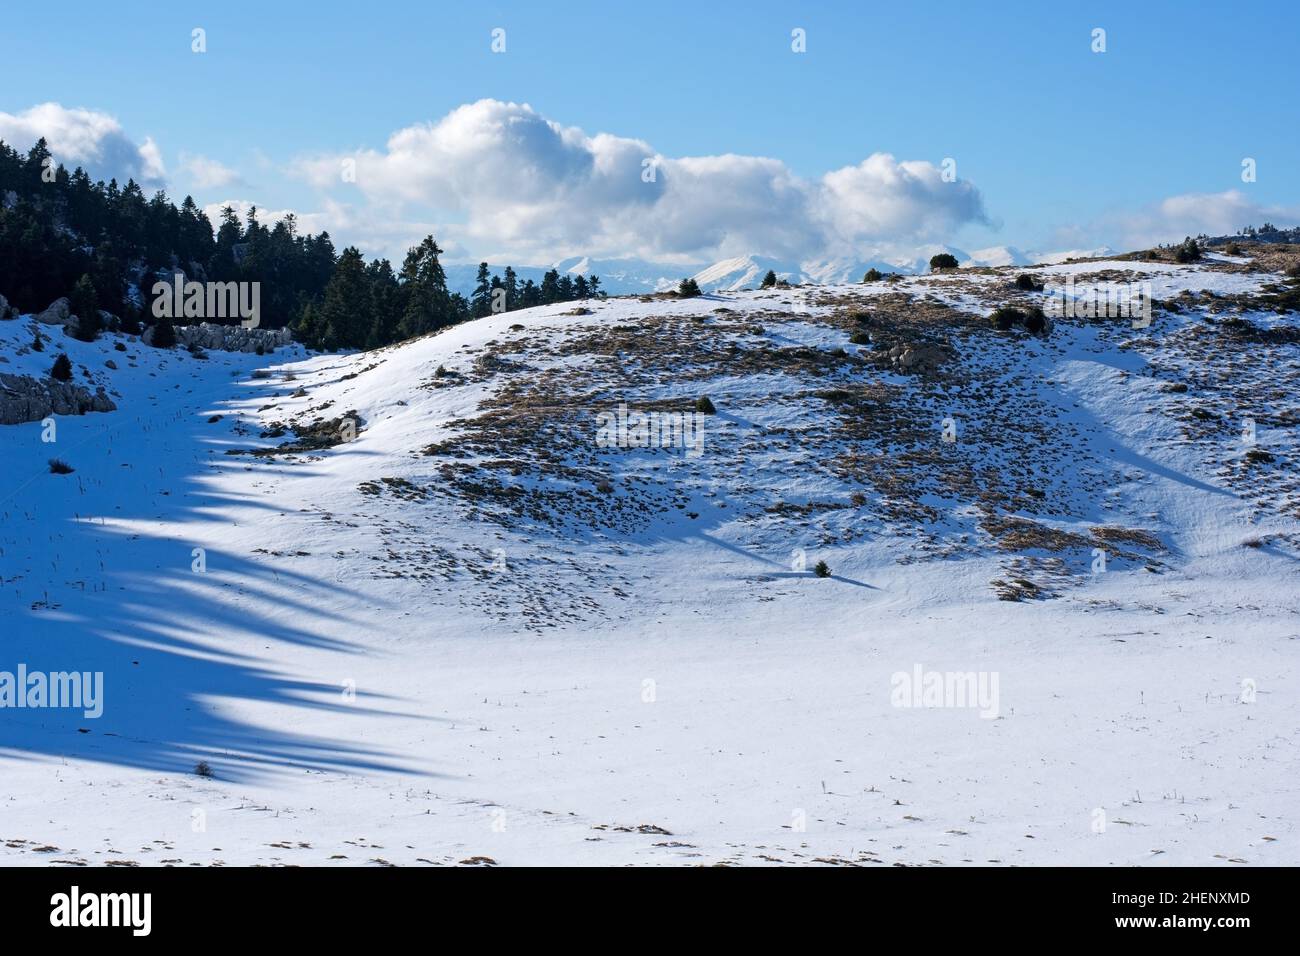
(59, 228)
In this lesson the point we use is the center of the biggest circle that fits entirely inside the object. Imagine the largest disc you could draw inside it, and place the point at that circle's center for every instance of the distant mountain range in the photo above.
(630, 276)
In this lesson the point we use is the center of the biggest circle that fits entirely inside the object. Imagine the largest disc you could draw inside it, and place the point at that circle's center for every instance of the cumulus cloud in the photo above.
(515, 183)
(207, 173)
(1190, 214)
(87, 138)
(348, 225)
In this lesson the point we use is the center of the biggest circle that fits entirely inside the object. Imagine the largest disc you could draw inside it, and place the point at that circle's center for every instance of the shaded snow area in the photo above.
(415, 606)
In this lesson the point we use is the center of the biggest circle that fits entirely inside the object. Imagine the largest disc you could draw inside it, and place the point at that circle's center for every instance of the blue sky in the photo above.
(1063, 147)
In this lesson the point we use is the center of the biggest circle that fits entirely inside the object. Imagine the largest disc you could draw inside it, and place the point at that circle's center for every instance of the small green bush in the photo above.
(705, 406)
(84, 304)
(62, 369)
(1005, 318)
(60, 467)
(822, 569)
(1187, 251)
(688, 289)
(944, 260)
(873, 275)
(769, 280)
(164, 334)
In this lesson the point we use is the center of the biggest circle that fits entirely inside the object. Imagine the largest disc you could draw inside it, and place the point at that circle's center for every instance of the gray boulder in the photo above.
(227, 338)
(57, 314)
(27, 399)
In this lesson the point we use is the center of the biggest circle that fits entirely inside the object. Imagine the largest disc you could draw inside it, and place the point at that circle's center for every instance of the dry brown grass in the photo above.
(1114, 535)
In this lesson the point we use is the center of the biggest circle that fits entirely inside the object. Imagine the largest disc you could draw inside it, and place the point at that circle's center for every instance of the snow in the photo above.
(703, 687)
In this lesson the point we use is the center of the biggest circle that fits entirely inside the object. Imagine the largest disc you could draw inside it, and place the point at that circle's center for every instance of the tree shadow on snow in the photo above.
(99, 575)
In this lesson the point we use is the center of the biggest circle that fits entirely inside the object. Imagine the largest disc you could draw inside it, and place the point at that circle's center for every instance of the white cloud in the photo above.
(307, 222)
(374, 234)
(1190, 214)
(517, 184)
(87, 138)
(207, 173)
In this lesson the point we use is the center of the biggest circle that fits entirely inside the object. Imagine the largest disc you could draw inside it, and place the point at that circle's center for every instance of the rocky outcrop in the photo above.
(917, 358)
(56, 314)
(27, 399)
(227, 338)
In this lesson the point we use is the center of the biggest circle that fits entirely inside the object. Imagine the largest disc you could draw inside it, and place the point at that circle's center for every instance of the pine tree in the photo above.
(769, 280)
(480, 303)
(511, 285)
(550, 291)
(130, 324)
(164, 333)
(495, 295)
(37, 157)
(383, 304)
(62, 369)
(428, 304)
(345, 311)
(530, 295)
(222, 267)
(84, 304)
(308, 328)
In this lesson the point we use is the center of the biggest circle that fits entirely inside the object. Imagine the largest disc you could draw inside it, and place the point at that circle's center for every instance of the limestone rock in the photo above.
(227, 338)
(56, 314)
(27, 399)
(917, 358)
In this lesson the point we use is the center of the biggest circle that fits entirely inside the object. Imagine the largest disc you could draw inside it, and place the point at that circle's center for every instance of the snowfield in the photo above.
(405, 609)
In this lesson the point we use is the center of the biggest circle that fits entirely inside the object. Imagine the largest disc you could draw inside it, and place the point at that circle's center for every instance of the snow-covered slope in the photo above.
(999, 256)
(409, 608)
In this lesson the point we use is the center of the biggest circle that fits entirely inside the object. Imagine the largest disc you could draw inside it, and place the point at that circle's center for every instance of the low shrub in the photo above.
(1005, 318)
(1187, 251)
(62, 369)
